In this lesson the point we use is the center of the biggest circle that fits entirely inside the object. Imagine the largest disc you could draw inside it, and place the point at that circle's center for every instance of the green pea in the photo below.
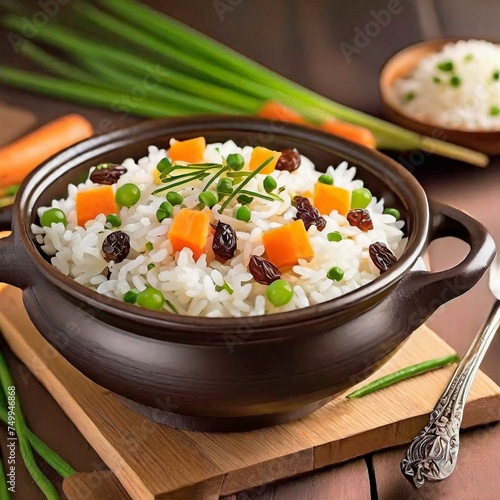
(130, 297)
(335, 236)
(393, 211)
(53, 216)
(325, 179)
(113, 220)
(163, 165)
(151, 298)
(360, 198)
(151, 266)
(164, 211)
(270, 184)
(279, 292)
(208, 198)
(174, 198)
(243, 213)
(244, 199)
(335, 273)
(235, 161)
(127, 195)
(149, 246)
(225, 186)
(496, 75)
(495, 111)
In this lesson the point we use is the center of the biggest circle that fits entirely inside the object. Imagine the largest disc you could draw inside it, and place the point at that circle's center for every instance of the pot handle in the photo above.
(6, 218)
(12, 269)
(438, 288)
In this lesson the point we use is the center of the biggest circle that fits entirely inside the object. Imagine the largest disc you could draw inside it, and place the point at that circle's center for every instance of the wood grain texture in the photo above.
(154, 461)
(94, 486)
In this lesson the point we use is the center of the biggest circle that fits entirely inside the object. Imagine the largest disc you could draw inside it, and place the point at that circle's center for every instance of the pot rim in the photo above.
(270, 325)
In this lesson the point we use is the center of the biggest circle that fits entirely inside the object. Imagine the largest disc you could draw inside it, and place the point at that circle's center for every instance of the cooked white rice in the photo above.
(191, 285)
(467, 96)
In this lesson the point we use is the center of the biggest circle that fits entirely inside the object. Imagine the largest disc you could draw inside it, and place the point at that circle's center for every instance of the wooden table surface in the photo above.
(306, 41)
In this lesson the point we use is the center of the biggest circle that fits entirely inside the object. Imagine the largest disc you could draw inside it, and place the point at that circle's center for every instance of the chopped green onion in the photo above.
(165, 211)
(208, 198)
(409, 96)
(495, 111)
(445, 66)
(225, 186)
(244, 199)
(405, 373)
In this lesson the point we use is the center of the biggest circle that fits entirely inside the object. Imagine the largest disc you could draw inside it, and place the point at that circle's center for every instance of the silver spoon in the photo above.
(432, 455)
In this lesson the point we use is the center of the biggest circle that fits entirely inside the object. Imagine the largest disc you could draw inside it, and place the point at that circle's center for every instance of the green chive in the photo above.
(244, 199)
(226, 287)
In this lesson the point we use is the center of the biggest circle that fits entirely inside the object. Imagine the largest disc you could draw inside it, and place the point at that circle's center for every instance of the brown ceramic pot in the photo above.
(236, 373)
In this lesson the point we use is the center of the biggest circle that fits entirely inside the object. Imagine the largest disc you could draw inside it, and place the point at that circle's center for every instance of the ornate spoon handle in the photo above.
(433, 454)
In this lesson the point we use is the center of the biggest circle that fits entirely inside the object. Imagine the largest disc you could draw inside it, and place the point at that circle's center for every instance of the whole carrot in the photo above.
(20, 157)
(354, 133)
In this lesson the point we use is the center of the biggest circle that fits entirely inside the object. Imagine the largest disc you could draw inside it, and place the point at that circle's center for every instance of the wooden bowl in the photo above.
(400, 65)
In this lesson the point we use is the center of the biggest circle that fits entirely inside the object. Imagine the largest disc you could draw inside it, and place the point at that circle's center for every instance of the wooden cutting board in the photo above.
(154, 461)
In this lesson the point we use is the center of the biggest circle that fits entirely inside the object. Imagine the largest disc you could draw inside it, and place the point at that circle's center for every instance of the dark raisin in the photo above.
(381, 256)
(224, 245)
(263, 271)
(107, 173)
(308, 214)
(289, 160)
(116, 247)
(361, 219)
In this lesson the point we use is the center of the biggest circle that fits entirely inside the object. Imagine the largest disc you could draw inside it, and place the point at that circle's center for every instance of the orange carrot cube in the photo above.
(93, 202)
(190, 151)
(287, 244)
(260, 155)
(190, 229)
(328, 197)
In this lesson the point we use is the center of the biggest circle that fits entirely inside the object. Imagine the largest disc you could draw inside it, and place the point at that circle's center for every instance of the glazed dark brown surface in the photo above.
(153, 357)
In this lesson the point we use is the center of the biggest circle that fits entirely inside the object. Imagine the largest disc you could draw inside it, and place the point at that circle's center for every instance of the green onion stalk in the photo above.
(192, 74)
